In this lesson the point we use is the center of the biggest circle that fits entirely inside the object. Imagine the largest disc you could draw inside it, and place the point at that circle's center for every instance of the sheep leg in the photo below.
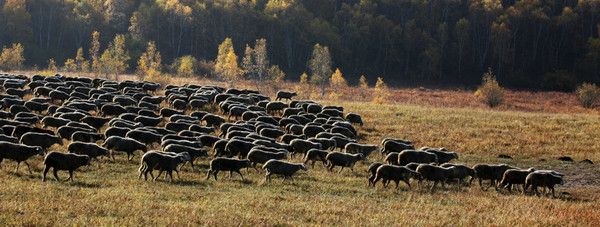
(157, 176)
(208, 174)
(28, 168)
(341, 169)
(70, 175)
(17, 169)
(112, 156)
(433, 186)
(170, 175)
(240, 173)
(552, 189)
(397, 183)
(55, 172)
(46, 169)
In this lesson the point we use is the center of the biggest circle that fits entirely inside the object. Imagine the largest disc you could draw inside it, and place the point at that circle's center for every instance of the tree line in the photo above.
(533, 44)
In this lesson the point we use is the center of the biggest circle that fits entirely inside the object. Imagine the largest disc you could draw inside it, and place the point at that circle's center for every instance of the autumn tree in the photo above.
(114, 59)
(185, 66)
(490, 90)
(95, 51)
(70, 65)
(362, 82)
(226, 64)
(52, 65)
(150, 61)
(80, 62)
(320, 66)
(12, 58)
(256, 64)
(381, 93)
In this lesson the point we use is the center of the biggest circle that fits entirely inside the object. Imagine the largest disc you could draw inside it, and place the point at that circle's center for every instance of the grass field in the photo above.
(113, 195)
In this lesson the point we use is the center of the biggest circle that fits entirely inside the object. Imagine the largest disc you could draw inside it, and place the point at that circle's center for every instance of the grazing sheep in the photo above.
(66, 132)
(90, 149)
(493, 173)
(392, 158)
(395, 146)
(413, 166)
(11, 139)
(542, 179)
(443, 156)
(285, 95)
(326, 144)
(342, 159)
(312, 130)
(127, 145)
(283, 168)
(63, 161)
(394, 173)
(238, 147)
(22, 129)
(227, 164)
(86, 136)
(316, 155)
(213, 120)
(192, 151)
(154, 160)
(365, 149)
(55, 122)
(434, 173)
(259, 156)
(409, 156)
(275, 107)
(19, 153)
(354, 118)
(116, 131)
(460, 172)
(40, 139)
(302, 146)
(145, 137)
(373, 171)
(514, 176)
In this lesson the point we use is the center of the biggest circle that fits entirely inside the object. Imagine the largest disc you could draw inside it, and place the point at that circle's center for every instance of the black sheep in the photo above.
(64, 161)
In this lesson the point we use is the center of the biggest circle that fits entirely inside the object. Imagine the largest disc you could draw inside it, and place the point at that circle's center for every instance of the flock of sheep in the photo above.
(100, 117)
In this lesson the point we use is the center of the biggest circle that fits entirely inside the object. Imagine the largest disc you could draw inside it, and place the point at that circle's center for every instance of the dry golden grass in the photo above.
(113, 195)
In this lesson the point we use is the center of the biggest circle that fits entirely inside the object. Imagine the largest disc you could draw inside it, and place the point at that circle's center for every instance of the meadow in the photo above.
(112, 194)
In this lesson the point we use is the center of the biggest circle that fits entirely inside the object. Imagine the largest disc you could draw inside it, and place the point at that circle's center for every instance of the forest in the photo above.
(528, 44)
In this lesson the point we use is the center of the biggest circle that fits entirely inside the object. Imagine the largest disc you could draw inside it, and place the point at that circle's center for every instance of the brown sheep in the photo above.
(434, 173)
(63, 161)
(542, 179)
(493, 173)
(342, 159)
(514, 176)
(394, 173)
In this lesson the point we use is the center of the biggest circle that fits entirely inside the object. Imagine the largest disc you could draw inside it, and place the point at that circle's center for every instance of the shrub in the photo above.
(381, 93)
(490, 90)
(157, 77)
(70, 65)
(52, 65)
(338, 84)
(588, 95)
(362, 82)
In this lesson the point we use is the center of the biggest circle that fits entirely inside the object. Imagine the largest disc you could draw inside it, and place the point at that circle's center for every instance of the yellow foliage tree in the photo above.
(70, 65)
(149, 62)
(95, 51)
(80, 62)
(381, 93)
(362, 82)
(338, 84)
(12, 58)
(187, 66)
(490, 90)
(52, 65)
(226, 64)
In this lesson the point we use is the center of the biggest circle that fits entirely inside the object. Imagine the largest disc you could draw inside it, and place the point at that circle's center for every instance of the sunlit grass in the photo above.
(113, 195)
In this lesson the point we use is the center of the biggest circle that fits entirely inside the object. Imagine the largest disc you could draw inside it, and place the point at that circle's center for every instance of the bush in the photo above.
(185, 66)
(490, 91)
(157, 77)
(588, 95)
(381, 93)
